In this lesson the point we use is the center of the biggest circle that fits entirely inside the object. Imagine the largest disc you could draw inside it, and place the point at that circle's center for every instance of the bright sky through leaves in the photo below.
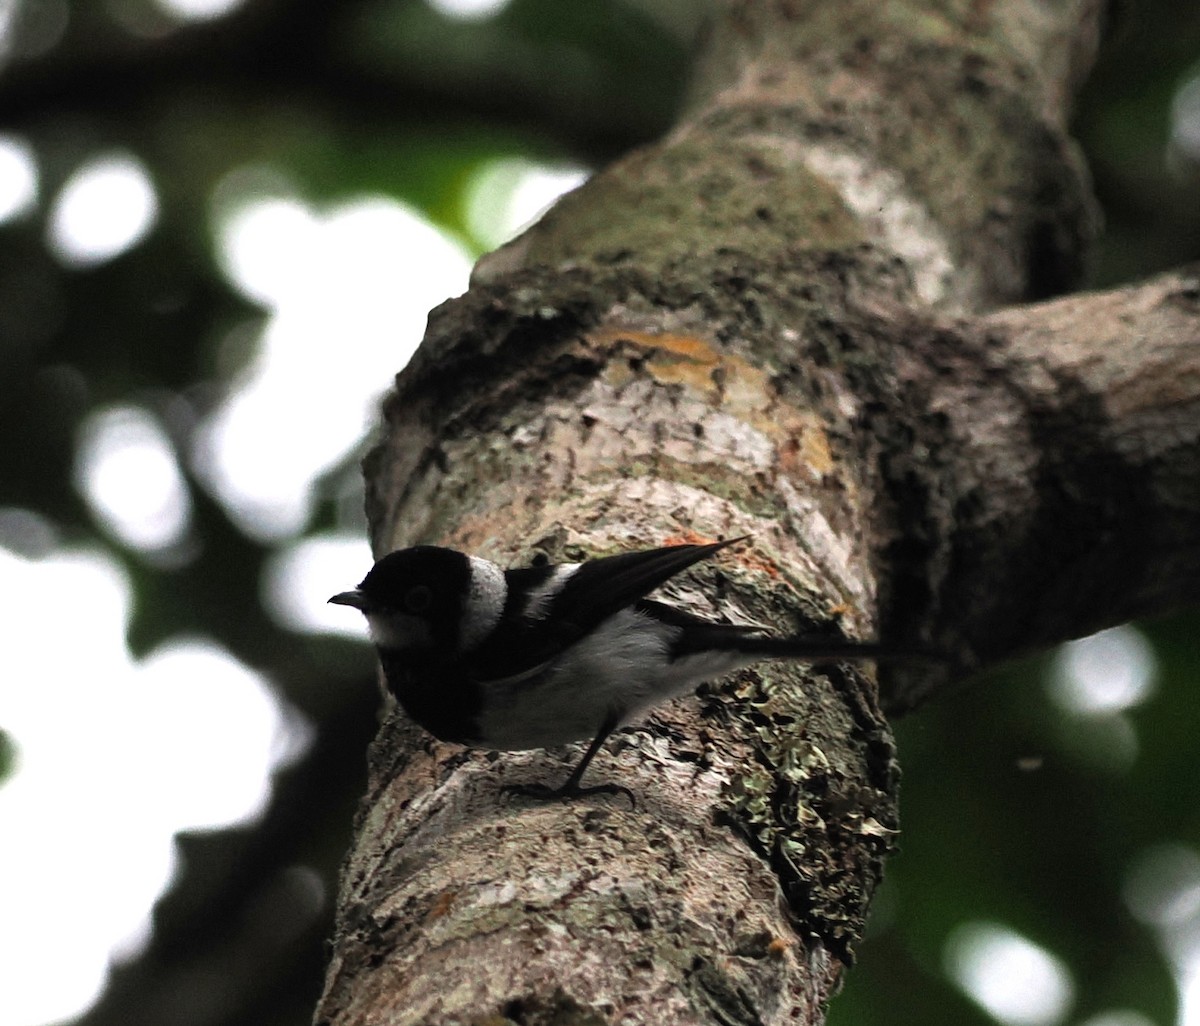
(121, 754)
(349, 288)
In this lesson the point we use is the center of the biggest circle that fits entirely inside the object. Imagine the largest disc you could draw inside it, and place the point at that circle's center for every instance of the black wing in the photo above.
(593, 593)
(601, 587)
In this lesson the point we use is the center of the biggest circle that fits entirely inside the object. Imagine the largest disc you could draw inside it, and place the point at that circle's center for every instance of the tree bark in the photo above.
(773, 323)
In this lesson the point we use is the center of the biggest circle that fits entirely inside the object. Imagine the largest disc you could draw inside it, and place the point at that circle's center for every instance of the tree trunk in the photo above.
(771, 323)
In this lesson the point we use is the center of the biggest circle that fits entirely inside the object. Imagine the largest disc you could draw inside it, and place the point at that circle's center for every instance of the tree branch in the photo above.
(927, 129)
(747, 329)
(1044, 465)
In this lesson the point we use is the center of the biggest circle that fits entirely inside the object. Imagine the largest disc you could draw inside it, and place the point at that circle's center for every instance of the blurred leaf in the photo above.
(8, 756)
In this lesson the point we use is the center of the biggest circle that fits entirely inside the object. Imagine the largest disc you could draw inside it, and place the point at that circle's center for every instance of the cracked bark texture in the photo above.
(792, 318)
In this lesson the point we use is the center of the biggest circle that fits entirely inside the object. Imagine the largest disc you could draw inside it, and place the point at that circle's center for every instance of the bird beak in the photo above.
(353, 598)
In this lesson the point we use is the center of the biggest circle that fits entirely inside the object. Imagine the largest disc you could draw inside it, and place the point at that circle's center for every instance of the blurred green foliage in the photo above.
(8, 756)
(1017, 812)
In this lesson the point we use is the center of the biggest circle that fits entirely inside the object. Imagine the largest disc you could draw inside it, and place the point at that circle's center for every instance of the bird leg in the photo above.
(570, 787)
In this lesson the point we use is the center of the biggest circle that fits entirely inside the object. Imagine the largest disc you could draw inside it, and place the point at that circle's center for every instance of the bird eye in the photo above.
(418, 599)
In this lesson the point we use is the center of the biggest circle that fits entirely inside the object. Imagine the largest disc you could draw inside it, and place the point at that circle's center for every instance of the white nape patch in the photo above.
(485, 603)
(399, 630)
(539, 598)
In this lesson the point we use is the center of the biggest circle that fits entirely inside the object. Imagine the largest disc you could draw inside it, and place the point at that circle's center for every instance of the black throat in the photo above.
(440, 697)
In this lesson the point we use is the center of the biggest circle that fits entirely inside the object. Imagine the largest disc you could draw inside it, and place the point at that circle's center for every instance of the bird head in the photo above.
(429, 601)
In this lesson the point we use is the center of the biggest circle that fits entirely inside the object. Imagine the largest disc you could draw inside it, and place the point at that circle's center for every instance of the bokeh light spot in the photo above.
(126, 469)
(1011, 978)
(505, 196)
(265, 247)
(31, 29)
(1108, 672)
(300, 578)
(105, 208)
(469, 10)
(26, 532)
(18, 177)
(1185, 119)
(198, 10)
(1164, 885)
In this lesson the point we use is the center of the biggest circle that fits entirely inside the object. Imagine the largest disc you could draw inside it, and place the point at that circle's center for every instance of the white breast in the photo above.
(622, 667)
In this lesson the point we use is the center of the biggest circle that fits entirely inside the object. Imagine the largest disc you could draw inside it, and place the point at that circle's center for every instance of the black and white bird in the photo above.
(547, 655)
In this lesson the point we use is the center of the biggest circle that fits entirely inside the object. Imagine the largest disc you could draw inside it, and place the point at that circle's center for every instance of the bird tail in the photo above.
(695, 637)
(753, 642)
(810, 648)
